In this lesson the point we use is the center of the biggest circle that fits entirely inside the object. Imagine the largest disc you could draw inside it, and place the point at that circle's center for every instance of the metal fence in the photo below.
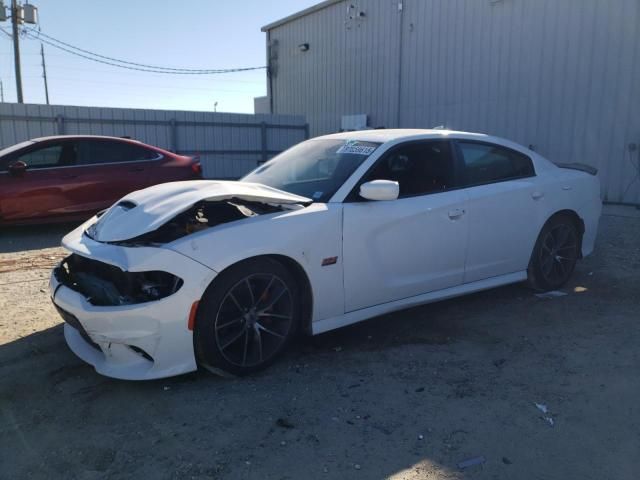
(228, 144)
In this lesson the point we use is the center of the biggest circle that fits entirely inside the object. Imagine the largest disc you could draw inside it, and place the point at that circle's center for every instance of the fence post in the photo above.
(263, 140)
(60, 124)
(174, 135)
(306, 131)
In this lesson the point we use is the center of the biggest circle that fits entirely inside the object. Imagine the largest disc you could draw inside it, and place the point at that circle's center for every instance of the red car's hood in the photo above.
(146, 210)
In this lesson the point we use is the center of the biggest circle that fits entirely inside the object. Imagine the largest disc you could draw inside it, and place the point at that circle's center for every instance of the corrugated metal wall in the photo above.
(560, 75)
(229, 144)
(350, 67)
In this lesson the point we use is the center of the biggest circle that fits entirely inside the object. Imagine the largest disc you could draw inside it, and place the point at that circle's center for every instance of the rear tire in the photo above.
(555, 254)
(247, 317)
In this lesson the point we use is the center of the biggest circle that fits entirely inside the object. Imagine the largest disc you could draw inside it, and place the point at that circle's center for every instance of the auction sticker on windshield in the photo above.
(354, 148)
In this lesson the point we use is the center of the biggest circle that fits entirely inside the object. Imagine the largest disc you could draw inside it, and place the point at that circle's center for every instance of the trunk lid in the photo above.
(146, 210)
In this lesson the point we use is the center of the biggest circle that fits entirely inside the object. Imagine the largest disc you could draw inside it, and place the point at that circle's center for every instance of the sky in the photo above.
(205, 34)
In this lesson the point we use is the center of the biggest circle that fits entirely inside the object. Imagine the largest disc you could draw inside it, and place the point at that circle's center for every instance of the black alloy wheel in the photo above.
(253, 320)
(247, 317)
(555, 254)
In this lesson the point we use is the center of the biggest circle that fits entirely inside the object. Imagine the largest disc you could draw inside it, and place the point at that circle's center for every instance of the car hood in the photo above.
(146, 210)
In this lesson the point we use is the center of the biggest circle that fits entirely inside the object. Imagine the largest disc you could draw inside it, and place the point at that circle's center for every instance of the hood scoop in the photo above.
(147, 210)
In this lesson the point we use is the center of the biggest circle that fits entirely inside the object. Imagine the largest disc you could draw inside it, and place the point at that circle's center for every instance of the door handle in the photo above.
(456, 213)
(70, 177)
(137, 169)
(537, 195)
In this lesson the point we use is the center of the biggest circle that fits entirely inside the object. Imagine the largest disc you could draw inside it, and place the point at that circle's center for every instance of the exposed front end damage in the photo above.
(127, 295)
(202, 215)
(103, 284)
(126, 310)
(166, 212)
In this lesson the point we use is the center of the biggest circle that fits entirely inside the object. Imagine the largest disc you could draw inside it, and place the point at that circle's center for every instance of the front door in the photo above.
(409, 246)
(45, 190)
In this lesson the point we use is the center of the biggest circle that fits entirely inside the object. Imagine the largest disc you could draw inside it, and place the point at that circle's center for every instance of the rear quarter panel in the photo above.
(171, 168)
(567, 189)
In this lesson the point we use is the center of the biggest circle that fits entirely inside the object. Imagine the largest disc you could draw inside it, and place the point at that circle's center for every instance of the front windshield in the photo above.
(315, 169)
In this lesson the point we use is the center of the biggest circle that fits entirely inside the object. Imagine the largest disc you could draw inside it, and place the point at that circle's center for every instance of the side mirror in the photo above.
(380, 190)
(18, 168)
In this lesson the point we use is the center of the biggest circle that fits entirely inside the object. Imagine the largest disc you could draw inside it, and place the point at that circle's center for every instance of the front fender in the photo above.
(308, 236)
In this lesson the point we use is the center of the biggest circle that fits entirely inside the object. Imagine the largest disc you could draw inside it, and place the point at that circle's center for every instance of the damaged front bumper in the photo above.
(126, 323)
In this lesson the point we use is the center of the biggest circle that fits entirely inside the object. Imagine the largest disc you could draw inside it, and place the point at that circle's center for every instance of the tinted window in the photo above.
(419, 168)
(52, 155)
(100, 151)
(487, 163)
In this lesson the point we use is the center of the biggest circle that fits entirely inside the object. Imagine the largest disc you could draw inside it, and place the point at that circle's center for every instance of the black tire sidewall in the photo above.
(206, 348)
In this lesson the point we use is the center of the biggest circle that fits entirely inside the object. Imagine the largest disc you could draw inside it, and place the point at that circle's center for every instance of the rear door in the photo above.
(114, 169)
(47, 188)
(504, 206)
(409, 246)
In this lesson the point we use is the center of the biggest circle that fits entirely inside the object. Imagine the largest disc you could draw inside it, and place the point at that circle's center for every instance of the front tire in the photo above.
(247, 317)
(555, 254)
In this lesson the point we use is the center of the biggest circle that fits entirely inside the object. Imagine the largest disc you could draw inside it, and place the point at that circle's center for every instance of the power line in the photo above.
(109, 71)
(154, 67)
(95, 57)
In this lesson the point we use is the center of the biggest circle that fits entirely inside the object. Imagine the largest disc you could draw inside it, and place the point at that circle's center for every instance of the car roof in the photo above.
(394, 135)
(388, 135)
(101, 137)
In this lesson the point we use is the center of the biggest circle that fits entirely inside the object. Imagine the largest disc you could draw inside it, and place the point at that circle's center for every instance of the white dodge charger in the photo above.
(333, 231)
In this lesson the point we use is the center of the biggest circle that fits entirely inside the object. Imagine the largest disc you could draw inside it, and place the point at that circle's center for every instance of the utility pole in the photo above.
(15, 13)
(1, 92)
(20, 14)
(44, 74)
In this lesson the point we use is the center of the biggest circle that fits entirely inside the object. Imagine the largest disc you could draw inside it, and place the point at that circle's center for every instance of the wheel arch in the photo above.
(306, 298)
(577, 220)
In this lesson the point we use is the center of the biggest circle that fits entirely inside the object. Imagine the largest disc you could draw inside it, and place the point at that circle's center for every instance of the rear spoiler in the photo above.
(579, 166)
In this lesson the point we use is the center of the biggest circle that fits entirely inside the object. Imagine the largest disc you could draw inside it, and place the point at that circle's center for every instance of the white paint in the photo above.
(380, 190)
(402, 248)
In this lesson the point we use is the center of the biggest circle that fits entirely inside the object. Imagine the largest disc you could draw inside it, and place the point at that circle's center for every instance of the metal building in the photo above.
(562, 76)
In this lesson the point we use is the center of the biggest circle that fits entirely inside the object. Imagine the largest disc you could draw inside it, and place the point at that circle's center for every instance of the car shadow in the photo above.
(33, 237)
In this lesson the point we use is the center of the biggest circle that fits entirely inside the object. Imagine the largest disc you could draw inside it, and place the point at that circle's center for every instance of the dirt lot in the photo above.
(408, 395)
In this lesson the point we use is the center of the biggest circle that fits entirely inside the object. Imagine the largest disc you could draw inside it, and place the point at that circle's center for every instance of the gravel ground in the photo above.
(406, 396)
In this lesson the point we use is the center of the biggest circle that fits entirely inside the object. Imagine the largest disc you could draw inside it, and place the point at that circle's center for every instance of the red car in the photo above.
(64, 178)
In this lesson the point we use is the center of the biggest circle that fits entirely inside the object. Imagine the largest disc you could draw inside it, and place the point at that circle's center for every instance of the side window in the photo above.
(53, 155)
(487, 163)
(104, 151)
(419, 168)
